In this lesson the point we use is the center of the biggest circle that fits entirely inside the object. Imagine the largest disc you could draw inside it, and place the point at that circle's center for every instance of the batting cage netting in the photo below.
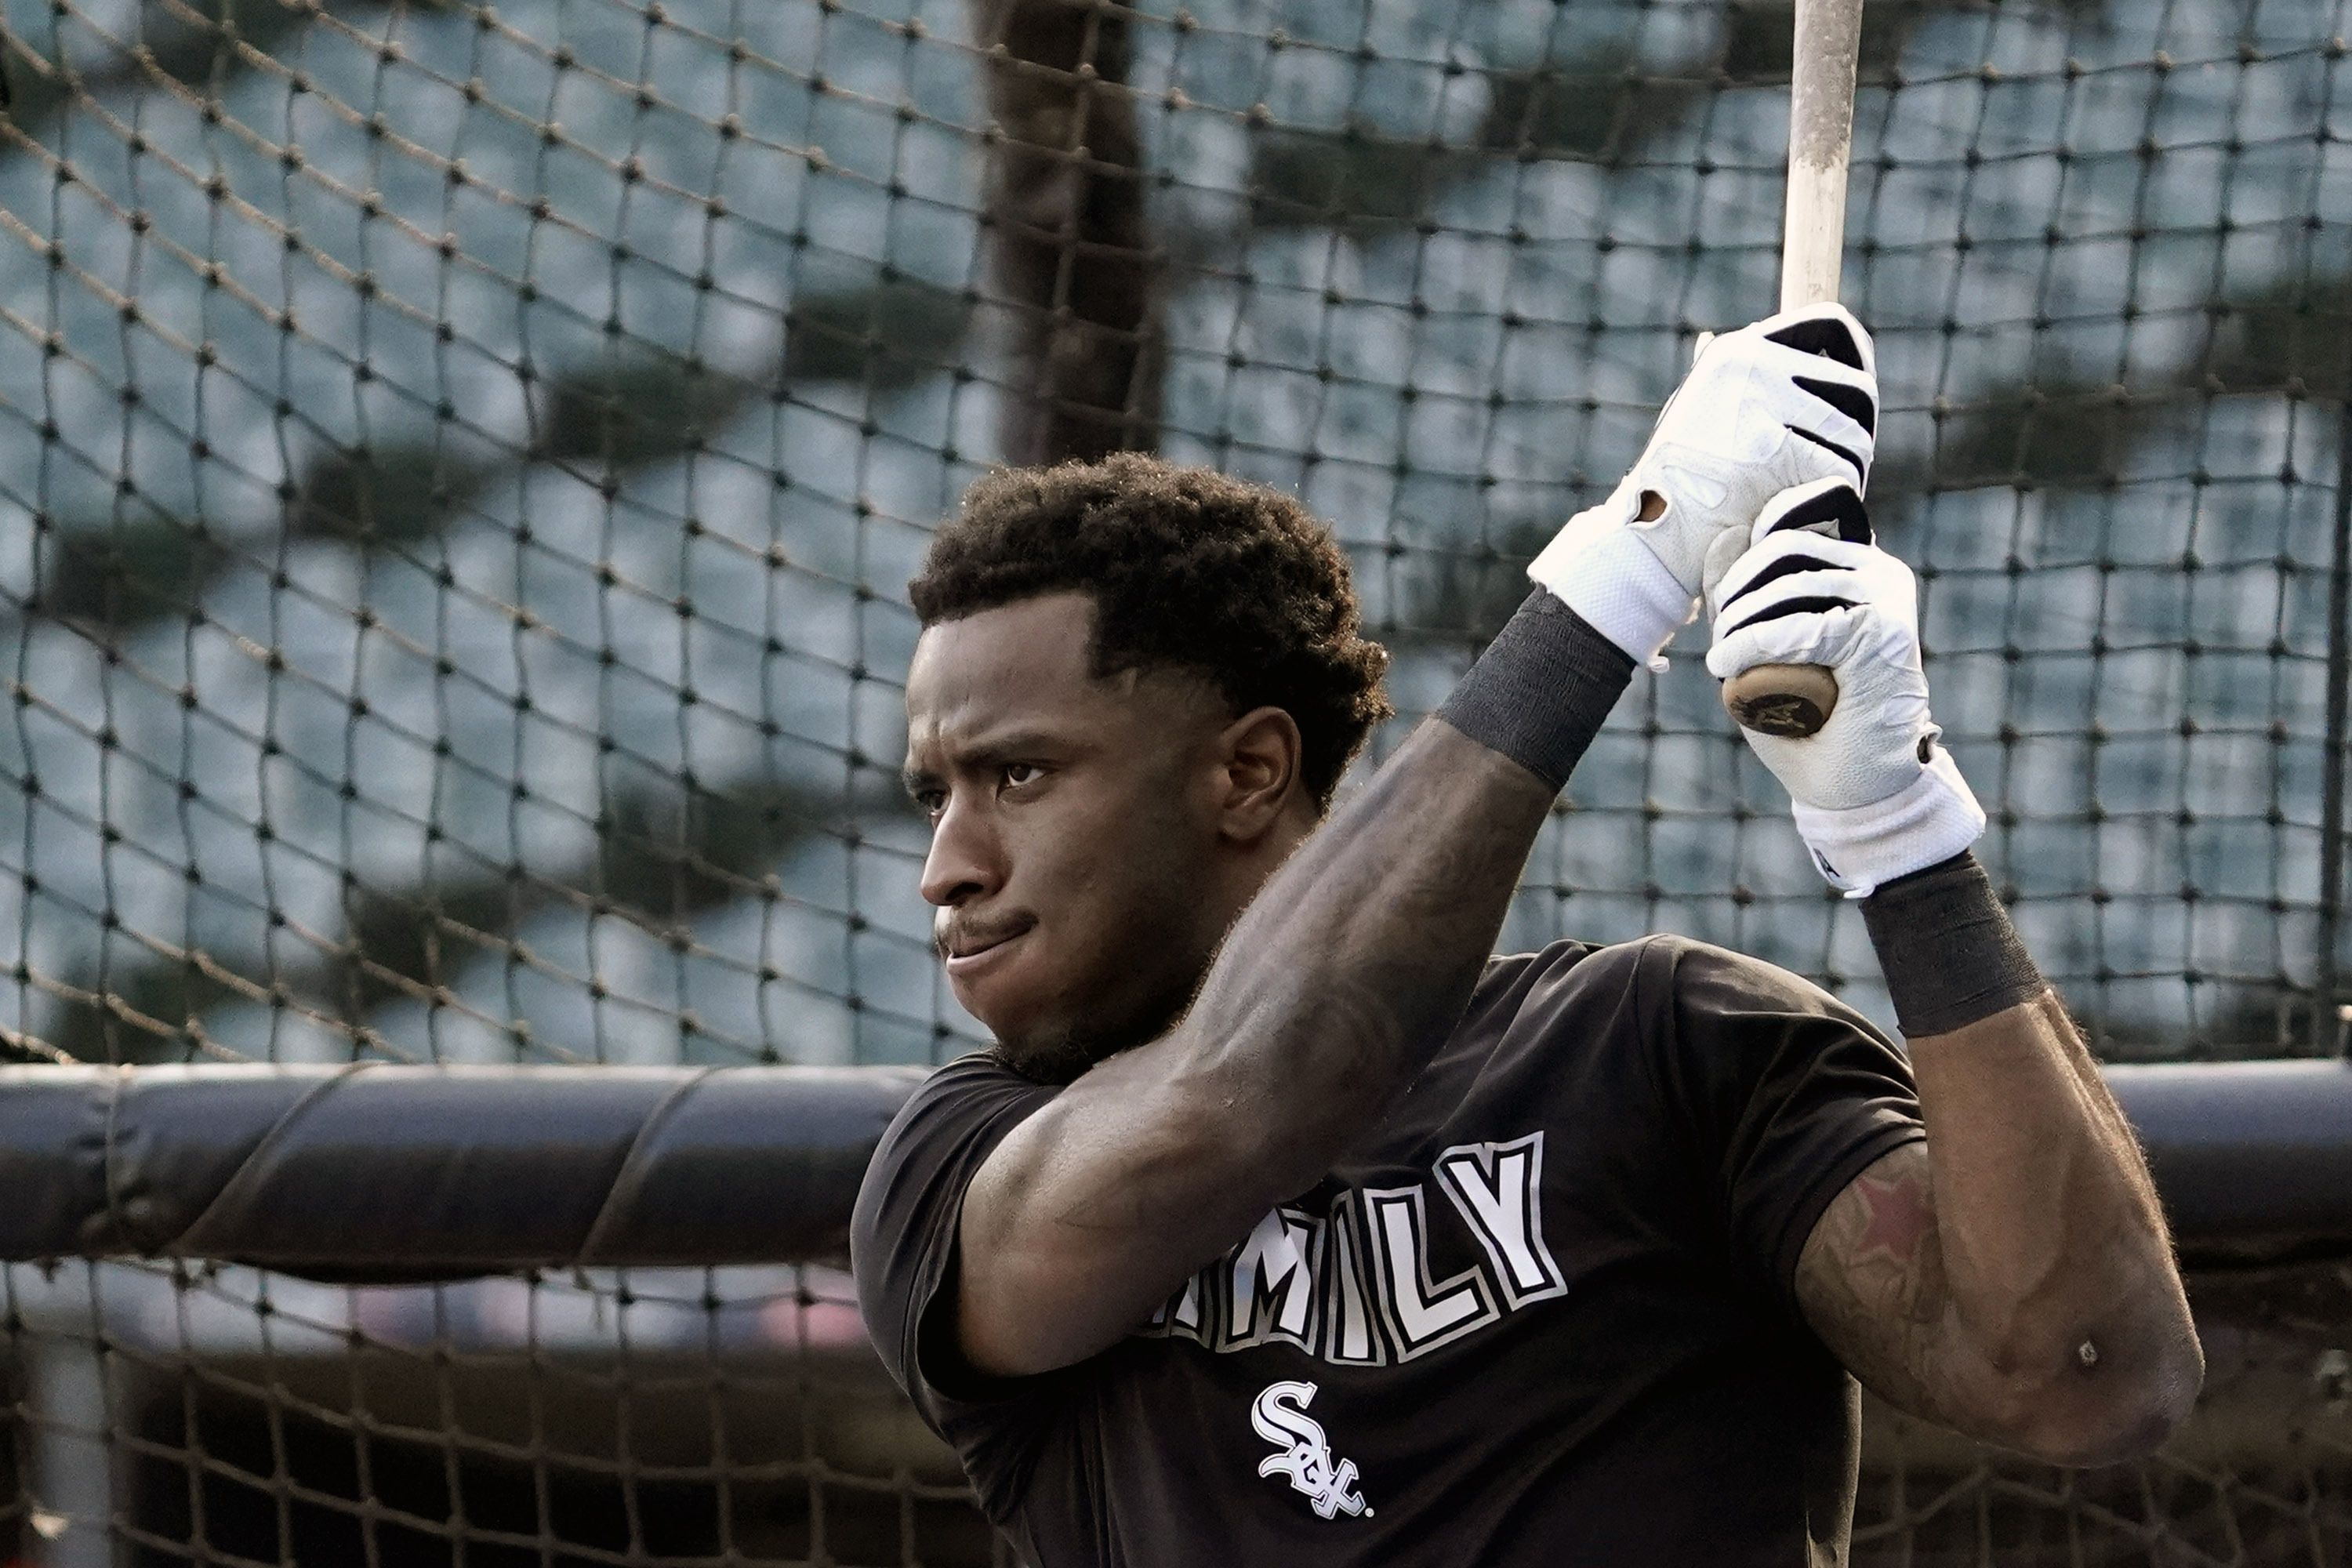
(459, 468)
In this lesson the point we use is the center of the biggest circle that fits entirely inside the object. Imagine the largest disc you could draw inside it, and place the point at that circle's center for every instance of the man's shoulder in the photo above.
(975, 1070)
(978, 1087)
(1660, 968)
(914, 1185)
(946, 1127)
(1661, 994)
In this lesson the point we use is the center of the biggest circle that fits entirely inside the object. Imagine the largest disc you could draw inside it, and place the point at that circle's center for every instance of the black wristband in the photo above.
(1949, 952)
(1540, 690)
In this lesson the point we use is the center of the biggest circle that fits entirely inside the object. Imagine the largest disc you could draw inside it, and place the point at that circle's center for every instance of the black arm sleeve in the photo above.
(1542, 688)
(1945, 943)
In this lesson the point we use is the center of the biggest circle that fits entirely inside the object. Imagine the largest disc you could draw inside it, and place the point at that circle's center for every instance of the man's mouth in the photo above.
(967, 952)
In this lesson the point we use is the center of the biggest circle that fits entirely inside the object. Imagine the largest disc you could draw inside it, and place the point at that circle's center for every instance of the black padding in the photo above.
(1820, 335)
(383, 1172)
(2253, 1161)
(683, 1194)
(53, 1142)
(1826, 445)
(1855, 402)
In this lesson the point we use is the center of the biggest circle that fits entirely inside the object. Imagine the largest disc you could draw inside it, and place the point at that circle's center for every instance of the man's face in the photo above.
(1074, 830)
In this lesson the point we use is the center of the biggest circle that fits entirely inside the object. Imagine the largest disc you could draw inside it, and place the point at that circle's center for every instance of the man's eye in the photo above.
(931, 800)
(1019, 774)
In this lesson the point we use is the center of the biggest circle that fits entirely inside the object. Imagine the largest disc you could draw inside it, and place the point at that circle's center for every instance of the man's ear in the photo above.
(1259, 753)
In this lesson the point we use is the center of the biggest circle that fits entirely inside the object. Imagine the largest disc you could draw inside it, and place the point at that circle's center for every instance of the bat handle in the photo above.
(1791, 701)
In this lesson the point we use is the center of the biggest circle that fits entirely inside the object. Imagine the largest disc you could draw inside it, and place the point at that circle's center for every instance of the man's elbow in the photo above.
(2088, 1416)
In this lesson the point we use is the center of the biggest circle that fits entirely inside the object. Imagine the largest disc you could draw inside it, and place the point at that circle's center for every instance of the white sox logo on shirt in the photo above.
(1280, 1417)
(1354, 1287)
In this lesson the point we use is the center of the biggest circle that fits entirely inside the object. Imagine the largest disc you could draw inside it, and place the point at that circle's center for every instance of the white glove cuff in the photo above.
(1617, 584)
(1931, 820)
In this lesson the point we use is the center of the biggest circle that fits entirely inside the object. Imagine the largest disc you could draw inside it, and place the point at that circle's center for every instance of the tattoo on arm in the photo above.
(2019, 1288)
(1871, 1282)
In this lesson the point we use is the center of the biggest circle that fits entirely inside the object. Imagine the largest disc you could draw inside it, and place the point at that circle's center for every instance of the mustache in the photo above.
(954, 937)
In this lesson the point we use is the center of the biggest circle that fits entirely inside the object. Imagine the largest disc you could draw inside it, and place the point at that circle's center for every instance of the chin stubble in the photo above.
(1059, 1054)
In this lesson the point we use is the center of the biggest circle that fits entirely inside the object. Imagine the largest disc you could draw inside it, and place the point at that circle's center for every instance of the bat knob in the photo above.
(1791, 701)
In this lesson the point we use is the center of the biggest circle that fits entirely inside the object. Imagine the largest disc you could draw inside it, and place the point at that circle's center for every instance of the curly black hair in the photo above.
(1188, 569)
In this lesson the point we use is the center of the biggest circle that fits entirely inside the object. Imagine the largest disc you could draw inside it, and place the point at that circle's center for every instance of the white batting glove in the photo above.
(1791, 398)
(1875, 796)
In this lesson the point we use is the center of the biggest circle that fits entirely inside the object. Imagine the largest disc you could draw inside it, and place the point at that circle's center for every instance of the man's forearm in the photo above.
(1347, 971)
(2063, 1303)
(1353, 967)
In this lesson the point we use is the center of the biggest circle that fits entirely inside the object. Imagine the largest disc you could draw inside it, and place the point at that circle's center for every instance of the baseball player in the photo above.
(1283, 1225)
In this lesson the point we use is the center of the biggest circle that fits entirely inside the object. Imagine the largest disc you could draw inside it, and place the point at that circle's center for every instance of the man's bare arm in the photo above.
(1343, 976)
(2010, 1277)
(2014, 1280)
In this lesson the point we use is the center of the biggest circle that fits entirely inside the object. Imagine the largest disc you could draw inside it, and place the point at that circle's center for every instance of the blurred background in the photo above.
(459, 468)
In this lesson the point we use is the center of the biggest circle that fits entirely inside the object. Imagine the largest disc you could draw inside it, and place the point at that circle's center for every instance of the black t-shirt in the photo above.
(1544, 1313)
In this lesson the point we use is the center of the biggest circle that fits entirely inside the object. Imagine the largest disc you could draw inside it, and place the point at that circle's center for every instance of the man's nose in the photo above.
(965, 860)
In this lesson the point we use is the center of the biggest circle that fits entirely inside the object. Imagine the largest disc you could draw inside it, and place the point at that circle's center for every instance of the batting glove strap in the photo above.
(1950, 955)
(1607, 575)
(1860, 848)
(1540, 690)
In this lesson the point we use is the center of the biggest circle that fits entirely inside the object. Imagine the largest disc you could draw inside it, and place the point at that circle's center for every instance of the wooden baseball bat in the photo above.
(1796, 700)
